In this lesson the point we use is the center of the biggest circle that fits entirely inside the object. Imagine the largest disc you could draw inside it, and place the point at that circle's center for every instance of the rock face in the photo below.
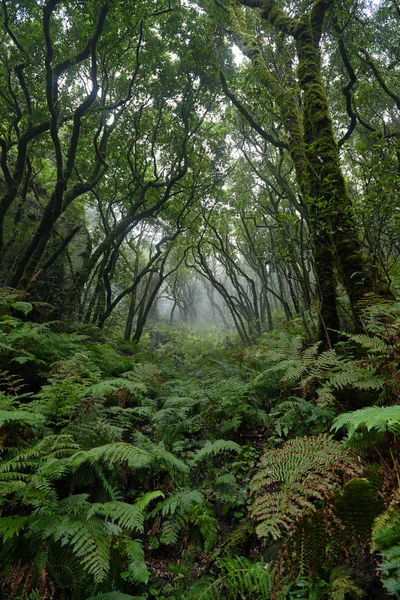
(52, 285)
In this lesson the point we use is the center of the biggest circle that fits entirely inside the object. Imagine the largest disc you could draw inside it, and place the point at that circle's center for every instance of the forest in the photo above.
(199, 300)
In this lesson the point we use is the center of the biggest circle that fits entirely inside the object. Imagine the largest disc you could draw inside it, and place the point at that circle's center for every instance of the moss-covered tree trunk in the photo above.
(331, 217)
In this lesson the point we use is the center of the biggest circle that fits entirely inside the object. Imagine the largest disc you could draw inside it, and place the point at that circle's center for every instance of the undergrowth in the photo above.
(192, 468)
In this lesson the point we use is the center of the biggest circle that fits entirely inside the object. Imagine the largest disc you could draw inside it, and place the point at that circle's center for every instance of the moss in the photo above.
(277, 17)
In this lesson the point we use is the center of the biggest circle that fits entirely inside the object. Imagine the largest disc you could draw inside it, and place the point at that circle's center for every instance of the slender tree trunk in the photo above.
(172, 312)
(269, 312)
(285, 304)
(132, 303)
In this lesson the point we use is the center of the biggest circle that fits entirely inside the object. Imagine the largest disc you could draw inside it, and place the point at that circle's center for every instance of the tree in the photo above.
(284, 51)
(75, 145)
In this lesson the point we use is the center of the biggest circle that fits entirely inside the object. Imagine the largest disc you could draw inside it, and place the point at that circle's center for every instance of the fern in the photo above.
(172, 423)
(137, 569)
(240, 579)
(162, 457)
(144, 500)
(300, 416)
(203, 518)
(351, 376)
(373, 344)
(107, 387)
(21, 416)
(386, 540)
(228, 491)
(11, 526)
(120, 452)
(143, 373)
(342, 587)
(379, 418)
(127, 516)
(184, 499)
(187, 506)
(88, 539)
(291, 481)
(178, 509)
(81, 526)
(359, 505)
(171, 529)
(213, 448)
(322, 374)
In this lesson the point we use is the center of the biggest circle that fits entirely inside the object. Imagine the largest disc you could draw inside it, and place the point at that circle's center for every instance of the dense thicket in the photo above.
(226, 164)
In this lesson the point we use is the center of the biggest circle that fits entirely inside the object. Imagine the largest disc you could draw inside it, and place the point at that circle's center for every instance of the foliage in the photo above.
(379, 418)
(239, 578)
(321, 373)
(108, 473)
(386, 540)
(292, 480)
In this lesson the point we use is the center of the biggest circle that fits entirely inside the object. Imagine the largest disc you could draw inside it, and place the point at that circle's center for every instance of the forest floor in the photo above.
(193, 467)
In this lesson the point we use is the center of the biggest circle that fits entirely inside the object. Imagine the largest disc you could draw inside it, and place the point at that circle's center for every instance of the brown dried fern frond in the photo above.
(295, 479)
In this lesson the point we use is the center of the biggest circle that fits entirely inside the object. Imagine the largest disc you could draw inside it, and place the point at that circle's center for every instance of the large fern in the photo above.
(386, 541)
(86, 530)
(379, 418)
(319, 375)
(239, 579)
(294, 479)
(184, 506)
(213, 448)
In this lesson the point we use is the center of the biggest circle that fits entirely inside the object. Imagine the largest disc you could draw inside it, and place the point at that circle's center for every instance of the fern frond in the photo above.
(49, 448)
(110, 386)
(184, 499)
(240, 579)
(144, 500)
(142, 372)
(10, 526)
(386, 540)
(136, 458)
(357, 377)
(161, 456)
(168, 460)
(299, 416)
(137, 567)
(184, 402)
(171, 529)
(205, 520)
(292, 479)
(88, 540)
(129, 517)
(21, 416)
(213, 448)
(359, 505)
(373, 344)
(380, 418)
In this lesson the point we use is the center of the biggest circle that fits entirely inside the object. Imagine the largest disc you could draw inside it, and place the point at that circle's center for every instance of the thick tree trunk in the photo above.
(330, 210)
